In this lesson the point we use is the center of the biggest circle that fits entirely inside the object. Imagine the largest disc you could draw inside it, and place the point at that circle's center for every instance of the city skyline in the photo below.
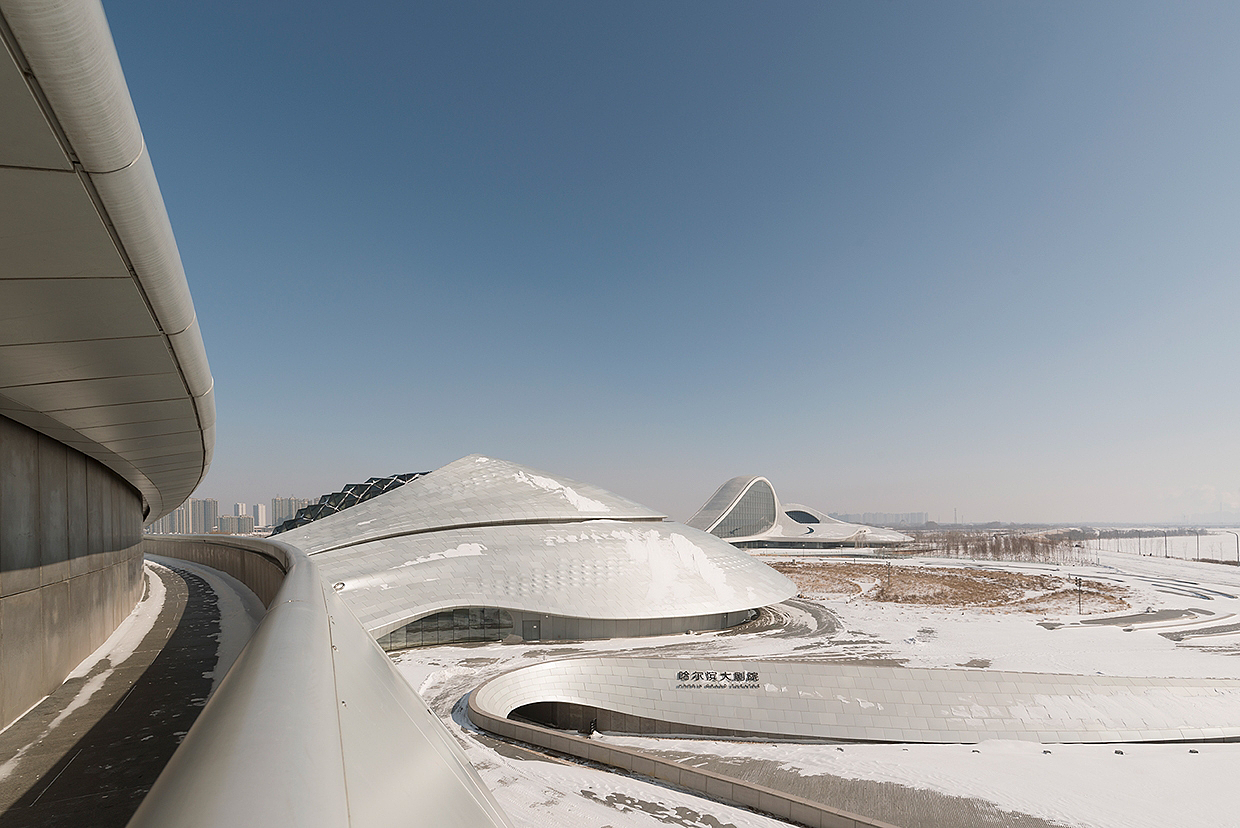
(944, 257)
(202, 515)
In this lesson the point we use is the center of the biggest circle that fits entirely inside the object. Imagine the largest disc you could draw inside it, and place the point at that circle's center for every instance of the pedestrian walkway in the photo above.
(89, 752)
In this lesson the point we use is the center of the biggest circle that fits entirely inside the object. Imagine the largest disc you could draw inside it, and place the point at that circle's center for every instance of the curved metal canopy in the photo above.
(99, 344)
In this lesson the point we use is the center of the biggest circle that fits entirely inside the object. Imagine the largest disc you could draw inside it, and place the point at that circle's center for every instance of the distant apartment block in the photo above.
(283, 508)
(236, 524)
(906, 519)
(204, 513)
(175, 522)
(259, 512)
(197, 516)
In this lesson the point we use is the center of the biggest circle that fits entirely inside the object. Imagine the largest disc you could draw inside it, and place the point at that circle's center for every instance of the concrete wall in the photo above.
(258, 565)
(70, 562)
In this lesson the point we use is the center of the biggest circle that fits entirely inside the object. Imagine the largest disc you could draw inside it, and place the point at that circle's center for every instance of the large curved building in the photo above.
(482, 549)
(746, 512)
(107, 417)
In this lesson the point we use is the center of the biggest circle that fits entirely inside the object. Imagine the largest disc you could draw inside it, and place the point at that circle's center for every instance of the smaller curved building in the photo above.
(746, 512)
(483, 549)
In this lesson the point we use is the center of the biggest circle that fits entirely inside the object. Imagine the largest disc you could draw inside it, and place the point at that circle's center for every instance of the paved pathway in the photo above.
(94, 765)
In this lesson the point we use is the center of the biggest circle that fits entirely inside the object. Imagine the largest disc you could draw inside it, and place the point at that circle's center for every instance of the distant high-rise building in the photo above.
(203, 515)
(166, 525)
(283, 508)
(179, 521)
(240, 509)
(260, 514)
(236, 524)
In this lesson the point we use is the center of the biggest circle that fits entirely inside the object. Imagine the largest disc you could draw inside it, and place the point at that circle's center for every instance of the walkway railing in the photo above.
(312, 727)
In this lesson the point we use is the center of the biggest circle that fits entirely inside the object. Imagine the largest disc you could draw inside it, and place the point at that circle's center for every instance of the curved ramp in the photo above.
(844, 702)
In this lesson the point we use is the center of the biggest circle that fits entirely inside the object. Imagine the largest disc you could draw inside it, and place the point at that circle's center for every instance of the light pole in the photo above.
(1237, 534)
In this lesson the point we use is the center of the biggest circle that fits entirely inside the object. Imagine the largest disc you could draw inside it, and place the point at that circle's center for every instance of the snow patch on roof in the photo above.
(577, 501)
(465, 550)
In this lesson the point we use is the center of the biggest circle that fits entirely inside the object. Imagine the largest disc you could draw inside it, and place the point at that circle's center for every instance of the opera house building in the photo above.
(746, 512)
(483, 549)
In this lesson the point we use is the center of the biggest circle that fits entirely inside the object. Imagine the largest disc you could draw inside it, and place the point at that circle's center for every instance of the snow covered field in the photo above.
(1079, 785)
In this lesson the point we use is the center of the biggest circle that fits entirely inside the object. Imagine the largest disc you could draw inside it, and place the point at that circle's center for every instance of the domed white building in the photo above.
(482, 549)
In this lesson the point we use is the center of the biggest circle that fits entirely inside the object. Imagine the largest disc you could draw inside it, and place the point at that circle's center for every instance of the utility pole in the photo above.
(1078, 594)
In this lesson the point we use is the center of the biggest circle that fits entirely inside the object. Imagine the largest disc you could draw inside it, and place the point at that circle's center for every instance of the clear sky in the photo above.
(895, 256)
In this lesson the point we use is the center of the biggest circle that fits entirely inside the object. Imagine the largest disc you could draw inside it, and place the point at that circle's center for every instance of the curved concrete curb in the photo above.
(714, 785)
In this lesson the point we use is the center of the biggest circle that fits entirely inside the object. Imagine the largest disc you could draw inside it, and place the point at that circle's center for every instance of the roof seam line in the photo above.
(454, 526)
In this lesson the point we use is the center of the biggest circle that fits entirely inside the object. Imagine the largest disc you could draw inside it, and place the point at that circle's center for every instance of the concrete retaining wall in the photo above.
(70, 562)
(260, 566)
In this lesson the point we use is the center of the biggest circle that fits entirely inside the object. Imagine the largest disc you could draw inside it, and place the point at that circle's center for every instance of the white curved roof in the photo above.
(486, 532)
(829, 529)
(594, 569)
(467, 492)
(99, 343)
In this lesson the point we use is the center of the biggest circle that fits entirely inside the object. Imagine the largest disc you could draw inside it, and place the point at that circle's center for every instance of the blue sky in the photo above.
(895, 256)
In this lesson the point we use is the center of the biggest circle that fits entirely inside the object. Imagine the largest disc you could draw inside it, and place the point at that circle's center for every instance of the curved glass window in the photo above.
(753, 513)
(350, 495)
(454, 626)
(802, 517)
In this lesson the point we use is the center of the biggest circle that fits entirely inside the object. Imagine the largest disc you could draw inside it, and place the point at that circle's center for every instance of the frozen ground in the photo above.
(1079, 785)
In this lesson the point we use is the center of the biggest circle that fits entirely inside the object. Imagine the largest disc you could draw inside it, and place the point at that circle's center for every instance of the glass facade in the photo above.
(350, 495)
(465, 625)
(753, 513)
(456, 626)
(802, 517)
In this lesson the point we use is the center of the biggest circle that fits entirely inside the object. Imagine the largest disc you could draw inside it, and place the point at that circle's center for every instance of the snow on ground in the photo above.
(119, 646)
(239, 608)
(1218, 544)
(1079, 785)
(129, 634)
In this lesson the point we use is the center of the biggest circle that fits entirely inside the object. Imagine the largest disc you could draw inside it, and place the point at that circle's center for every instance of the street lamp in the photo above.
(1237, 534)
